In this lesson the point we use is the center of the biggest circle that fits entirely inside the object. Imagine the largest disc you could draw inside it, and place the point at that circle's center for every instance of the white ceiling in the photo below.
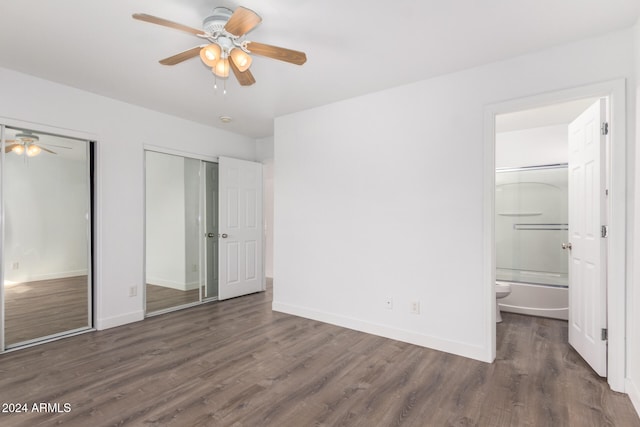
(353, 47)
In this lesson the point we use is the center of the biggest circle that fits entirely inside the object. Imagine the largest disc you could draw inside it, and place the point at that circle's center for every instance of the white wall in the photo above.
(165, 220)
(121, 131)
(546, 145)
(633, 291)
(382, 196)
(264, 153)
(47, 198)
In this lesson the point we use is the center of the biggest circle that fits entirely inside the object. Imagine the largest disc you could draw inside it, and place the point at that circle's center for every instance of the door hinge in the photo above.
(604, 231)
(604, 128)
(604, 334)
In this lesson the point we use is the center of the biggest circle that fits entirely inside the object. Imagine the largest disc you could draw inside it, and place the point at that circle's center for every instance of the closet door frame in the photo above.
(201, 242)
(92, 229)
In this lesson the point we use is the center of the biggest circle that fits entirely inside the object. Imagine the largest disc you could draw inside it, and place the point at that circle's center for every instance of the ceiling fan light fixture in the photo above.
(18, 149)
(225, 31)
(33, 150)
(221, 69)
(210, 54)
(241, 59)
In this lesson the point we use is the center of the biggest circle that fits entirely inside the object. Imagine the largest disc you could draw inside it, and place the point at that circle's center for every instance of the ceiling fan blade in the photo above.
(166, 23)
(47, 150)
(54, 145)
(8, 148)
(242, 21)
(279, 53)
(182, 56)
(245, 78)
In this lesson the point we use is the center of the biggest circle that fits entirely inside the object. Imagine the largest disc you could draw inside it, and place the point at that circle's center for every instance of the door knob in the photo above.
(566, 246)
(224, 235)
(211, 235)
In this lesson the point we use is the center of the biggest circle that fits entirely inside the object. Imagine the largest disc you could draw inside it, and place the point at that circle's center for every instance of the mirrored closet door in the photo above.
(181, 250)
(203, 230)
(46, 236)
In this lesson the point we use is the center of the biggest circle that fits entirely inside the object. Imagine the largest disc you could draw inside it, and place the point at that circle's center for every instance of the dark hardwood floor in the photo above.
(237, 363)
(160, 297)
(45, 307)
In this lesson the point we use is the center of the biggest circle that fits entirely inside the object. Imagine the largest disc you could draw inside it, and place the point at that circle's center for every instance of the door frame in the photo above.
(615, 91)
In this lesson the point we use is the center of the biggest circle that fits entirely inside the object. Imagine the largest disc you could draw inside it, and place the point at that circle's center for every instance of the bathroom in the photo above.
(532, 210)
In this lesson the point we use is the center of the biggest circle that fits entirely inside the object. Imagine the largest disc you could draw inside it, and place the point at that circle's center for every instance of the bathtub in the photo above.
(536, 300)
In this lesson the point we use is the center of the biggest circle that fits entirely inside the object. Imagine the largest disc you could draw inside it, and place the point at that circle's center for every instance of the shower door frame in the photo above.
(615, 91)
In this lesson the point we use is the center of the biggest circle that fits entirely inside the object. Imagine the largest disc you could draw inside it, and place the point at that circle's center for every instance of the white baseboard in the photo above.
(46, 276)
(633, 390)
(122, 319)
(453, 347)
(180, 286)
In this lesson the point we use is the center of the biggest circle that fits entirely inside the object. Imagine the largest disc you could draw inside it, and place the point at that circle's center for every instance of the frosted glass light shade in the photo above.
(210, 54)
(18, 149)
(221, 69)
(241, 59)
(33, 150)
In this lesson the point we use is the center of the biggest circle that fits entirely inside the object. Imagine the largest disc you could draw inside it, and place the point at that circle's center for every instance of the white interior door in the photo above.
(587, 213)
(240, 228)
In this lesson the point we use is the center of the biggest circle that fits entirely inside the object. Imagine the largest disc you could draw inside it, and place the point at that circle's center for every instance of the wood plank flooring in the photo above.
(45, 307)
(161, 297)
(237, 363)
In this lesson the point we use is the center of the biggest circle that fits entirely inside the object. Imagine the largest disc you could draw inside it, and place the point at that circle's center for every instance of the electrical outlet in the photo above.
(194, 268)
(415, 307)
(133, 291)
(15, 265)
(388, 303)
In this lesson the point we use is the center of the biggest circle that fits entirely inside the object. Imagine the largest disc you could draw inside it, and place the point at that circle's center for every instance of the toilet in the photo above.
(502, 290)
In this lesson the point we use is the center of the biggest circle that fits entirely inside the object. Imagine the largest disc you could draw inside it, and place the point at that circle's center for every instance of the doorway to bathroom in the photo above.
(596, 310)
(550, 205)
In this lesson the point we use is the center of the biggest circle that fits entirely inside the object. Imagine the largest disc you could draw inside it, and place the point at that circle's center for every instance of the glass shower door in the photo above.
(531, 224)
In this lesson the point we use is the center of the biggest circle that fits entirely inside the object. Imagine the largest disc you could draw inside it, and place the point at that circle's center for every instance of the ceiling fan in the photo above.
(227, 49)
(27, 143)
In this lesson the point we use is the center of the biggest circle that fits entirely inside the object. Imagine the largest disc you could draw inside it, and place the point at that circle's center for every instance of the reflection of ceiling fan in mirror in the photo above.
(29, 144)
(227, 49)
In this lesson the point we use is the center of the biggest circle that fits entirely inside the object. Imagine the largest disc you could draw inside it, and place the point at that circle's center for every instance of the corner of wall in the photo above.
(264, 149)
(122, 319)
